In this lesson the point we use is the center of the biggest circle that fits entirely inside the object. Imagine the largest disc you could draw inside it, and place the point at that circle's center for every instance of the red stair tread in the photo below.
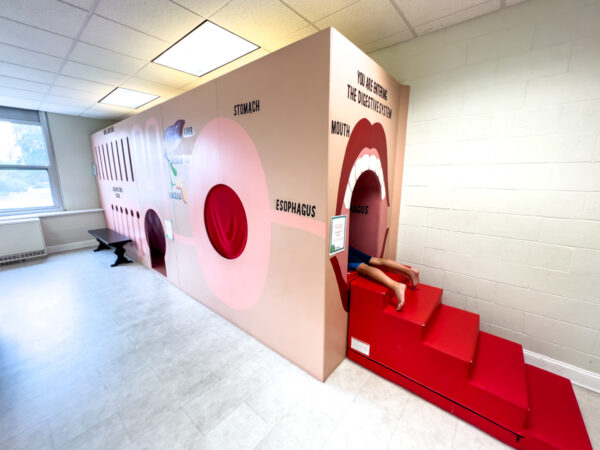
(500, 369)
(419, 305)
(454, 332)
(358, 281)
(554, 417)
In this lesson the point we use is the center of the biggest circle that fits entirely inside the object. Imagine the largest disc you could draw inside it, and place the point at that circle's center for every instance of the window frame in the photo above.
(25, 117)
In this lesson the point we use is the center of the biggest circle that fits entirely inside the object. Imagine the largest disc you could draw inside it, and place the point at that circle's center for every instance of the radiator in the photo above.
(21, 240)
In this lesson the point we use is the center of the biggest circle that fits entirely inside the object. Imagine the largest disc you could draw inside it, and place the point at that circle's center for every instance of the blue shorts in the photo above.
(356, 257)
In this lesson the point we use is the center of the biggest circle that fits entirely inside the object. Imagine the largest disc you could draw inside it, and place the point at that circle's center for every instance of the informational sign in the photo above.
(168, 229)
(360, 346)
(337, 240)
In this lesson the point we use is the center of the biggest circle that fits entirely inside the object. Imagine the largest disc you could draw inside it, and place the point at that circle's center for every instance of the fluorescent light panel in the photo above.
(128, 98)
(205, 49)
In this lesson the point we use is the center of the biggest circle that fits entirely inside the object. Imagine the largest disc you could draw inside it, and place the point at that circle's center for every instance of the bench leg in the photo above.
(101, 246)
(120, 252)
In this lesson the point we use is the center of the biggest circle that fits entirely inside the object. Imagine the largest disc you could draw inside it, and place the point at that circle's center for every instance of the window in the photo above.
(28, 181)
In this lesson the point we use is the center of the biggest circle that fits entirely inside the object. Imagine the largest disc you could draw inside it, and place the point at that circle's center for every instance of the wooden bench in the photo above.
(108, 238)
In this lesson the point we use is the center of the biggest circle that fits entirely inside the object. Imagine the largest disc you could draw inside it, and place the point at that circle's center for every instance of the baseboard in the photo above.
(71, 246)
(577, 375)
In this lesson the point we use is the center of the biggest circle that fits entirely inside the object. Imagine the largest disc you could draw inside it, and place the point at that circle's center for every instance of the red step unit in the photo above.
(448, 349)
(391, 337)
(555, 420)
(438, 352)
(497, 386)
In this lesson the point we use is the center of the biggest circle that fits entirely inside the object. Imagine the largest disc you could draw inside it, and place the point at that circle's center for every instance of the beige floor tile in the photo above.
(335, 395)
(37, 438)
(272, 401)
(175, 432)
(302, 427)
(108, 434)
(148, 412)
(468, 437)
(364, 425)
(220, 399)
(243, 429)
(423, 426)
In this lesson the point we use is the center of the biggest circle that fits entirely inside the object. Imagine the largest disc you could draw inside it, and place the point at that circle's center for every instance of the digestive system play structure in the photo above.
(230, 192)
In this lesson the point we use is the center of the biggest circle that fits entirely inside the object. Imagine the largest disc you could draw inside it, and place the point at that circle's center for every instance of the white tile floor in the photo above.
(117, 358)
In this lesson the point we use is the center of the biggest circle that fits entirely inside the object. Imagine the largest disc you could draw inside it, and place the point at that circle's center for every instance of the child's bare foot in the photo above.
(414, 277)
(399, 290)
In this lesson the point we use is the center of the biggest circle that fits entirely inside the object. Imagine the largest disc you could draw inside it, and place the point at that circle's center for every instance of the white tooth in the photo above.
(373, 163)
(347, 197)
(378, 165)
(365, 162)
(378, 172)
(352, 180)
(382, 186)
(359, 167)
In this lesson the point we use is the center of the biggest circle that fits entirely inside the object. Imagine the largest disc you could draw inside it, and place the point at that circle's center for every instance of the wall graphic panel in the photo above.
(248, 169)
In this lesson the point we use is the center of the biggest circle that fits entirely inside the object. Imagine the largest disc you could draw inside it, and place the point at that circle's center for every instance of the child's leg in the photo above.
(394, 266)
(376, 275)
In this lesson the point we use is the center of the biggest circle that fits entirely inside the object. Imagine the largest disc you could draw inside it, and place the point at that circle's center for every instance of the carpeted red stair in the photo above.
(438, 352)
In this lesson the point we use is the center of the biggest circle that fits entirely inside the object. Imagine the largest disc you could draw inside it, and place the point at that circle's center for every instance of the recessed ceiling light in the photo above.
(205, 49)
(127, 98)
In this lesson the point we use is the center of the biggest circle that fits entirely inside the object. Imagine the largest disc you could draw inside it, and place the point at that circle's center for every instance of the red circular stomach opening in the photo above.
(226, 222)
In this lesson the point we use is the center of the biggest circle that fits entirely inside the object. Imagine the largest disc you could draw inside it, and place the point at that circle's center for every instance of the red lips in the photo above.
(364, 135)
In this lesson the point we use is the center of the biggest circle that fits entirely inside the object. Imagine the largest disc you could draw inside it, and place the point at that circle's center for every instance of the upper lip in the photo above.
(364, 136)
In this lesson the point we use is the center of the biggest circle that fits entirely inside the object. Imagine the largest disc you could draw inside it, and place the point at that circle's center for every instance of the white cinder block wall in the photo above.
(501, 197)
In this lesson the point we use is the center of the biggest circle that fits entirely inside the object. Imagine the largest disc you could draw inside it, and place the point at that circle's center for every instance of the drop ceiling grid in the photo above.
(73, 52)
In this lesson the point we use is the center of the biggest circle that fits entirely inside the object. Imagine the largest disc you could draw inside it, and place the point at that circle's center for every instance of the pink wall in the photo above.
(278, 161)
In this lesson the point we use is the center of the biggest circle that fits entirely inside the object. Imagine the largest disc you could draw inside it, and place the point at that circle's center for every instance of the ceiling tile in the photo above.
(73, 102)
(91, 73)
(23, 84)
(83, 85)
(259, 21)
(315, 11)
(20, 93)
(16, 102)
(22, 57)
(512, 2)
(418, 12)
(150, 87)
(85, 4)
(26, 73)
(300, 34)
(33, 39)
(387, 41)
(205, 8)
(75, 94)
(461, 16)
(165, 75)
(101, 110)
(113, 36)
(366, 21)
(159, 18)
(61, 108)
(48, 15)
(106, 59)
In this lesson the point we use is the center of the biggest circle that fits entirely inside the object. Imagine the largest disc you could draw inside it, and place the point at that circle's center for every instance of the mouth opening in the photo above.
(368, 213)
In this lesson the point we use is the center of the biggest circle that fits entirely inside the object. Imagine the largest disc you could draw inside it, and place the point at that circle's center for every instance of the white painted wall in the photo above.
(501, 197)
(71, 141)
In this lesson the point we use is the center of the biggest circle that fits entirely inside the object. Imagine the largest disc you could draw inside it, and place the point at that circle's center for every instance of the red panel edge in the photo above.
(506, 436)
